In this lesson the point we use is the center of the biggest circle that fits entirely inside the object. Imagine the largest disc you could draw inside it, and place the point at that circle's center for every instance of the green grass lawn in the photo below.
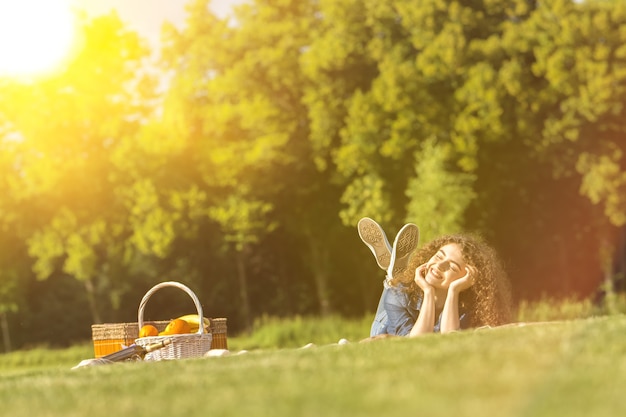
(571, 368)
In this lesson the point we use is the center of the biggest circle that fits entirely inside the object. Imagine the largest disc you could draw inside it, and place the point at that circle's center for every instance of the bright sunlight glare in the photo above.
(35, 35)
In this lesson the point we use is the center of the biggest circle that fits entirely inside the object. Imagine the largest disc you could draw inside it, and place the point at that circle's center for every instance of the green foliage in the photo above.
(242, 221)
(246, 115)
(67, 126)
(365, 195)
(8, 292)
(603, 181)
(65, 237)
(438, 196)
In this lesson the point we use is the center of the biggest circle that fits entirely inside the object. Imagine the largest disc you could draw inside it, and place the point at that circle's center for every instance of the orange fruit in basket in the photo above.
(148, 330)
(176, 326)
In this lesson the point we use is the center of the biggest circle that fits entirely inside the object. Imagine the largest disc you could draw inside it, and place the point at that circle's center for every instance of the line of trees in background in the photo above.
(278, 130)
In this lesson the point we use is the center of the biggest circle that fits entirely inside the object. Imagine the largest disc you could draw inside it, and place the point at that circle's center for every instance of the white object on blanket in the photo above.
(216, 353)
(92, 362)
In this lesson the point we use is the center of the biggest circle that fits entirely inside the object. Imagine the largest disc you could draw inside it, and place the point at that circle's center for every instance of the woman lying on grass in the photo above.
(454, 282)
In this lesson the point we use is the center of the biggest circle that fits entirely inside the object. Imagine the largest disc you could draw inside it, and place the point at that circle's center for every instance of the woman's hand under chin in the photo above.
(465, 281)
(420, 280)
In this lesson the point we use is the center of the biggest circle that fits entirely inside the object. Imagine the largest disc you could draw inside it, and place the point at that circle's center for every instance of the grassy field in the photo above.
(566, 368)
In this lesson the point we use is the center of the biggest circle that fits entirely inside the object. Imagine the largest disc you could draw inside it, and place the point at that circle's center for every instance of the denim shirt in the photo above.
(397, 312)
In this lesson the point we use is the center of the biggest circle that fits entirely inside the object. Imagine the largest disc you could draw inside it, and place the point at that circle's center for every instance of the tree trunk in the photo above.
(93, 303)
(6, 337)
(243, 290)
(319, 266)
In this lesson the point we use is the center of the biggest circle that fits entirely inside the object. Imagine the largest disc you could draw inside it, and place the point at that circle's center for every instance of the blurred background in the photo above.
(233, 146)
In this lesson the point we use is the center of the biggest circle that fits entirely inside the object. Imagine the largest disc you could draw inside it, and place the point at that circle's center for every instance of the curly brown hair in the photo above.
(488, 301)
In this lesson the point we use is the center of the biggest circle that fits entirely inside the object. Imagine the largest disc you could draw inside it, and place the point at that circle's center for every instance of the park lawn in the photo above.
(571, 368)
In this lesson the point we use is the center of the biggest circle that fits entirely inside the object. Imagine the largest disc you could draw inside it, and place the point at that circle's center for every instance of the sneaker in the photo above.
(374, 237)
(404, 245)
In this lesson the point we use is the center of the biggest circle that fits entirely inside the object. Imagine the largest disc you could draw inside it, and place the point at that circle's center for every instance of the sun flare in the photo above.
(35, 35)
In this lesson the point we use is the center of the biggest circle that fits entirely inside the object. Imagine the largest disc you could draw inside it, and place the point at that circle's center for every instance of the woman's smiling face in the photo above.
(445, 267)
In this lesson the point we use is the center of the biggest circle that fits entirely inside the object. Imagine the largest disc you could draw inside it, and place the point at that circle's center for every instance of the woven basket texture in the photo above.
(219, 329)
(182, 346)
(112, 337)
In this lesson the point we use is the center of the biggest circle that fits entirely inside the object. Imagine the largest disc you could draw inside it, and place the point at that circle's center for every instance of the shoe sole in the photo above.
(404, 245)
(374, 237)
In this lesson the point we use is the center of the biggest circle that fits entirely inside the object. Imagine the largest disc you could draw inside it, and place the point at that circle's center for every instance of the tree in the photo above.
(68, 130)
(239, 87)
(484, 102)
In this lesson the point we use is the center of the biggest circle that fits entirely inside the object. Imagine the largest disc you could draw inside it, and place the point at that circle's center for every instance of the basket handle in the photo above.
(183, 287)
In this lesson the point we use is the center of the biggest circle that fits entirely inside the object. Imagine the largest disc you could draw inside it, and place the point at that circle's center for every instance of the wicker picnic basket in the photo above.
(219, 330)
(183, 346)
(113, 337)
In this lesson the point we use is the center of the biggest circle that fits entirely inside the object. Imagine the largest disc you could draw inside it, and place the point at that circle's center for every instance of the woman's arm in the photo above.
(450, 315)
(426, 319)
(450, 321)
